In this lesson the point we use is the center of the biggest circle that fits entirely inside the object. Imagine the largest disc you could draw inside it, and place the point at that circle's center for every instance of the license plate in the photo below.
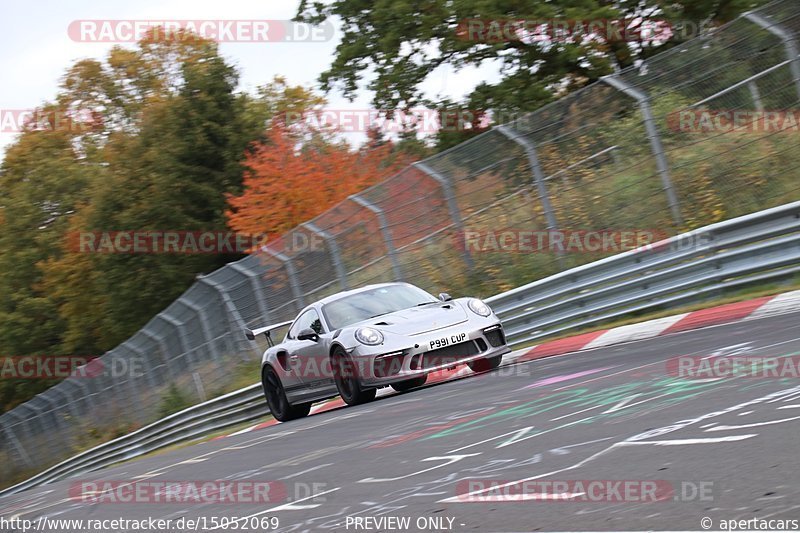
(447, 341)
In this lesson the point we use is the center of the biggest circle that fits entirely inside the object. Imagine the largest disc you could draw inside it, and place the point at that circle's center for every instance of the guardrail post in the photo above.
(293, 282)
(655, 142)
(789, 43)
(256, 287)
(238, 324)
(391, 251)
(333, 246)
(452, 206)
(12, 438)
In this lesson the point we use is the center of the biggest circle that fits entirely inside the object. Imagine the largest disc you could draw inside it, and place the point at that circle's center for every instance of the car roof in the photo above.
(340, 295)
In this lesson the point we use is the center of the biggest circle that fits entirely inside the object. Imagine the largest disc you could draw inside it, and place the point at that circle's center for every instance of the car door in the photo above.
(307, 356)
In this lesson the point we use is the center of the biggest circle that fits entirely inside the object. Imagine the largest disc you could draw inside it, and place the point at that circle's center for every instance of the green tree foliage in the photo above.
(398, 44)
(159, 139)
(40, 184)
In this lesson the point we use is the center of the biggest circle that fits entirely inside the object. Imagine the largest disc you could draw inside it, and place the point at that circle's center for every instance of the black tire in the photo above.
(408, 384)
(485, 364)
(345, 375)
(276, 398)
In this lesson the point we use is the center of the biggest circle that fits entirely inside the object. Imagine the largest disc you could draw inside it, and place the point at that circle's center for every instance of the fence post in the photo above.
(333, 246)
(293, 282)
(138, 351)
(53, 407)
(655, 142)
(36, 417)
(538, 175)
(755, 94)
(238, 323)
(110, 362)
(539, 180)
(68, 400)
(12, 438)
(452, 205)
(789, 43)
(83, 391)
(164, 352)
(256, 287)
(92, 390)
(205, 326)
(179, 327)
(387, 234)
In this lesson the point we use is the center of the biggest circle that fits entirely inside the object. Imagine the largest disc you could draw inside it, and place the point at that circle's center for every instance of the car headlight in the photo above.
(478, 307)
(369, 336)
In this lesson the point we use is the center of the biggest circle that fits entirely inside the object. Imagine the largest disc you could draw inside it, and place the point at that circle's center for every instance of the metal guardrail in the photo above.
(690, 266)
(196, 421)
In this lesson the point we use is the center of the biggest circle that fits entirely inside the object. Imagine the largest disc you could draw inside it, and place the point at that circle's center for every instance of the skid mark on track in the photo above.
(644, 439)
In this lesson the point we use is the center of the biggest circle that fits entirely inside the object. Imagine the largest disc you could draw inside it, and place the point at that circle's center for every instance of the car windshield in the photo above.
(374, 302)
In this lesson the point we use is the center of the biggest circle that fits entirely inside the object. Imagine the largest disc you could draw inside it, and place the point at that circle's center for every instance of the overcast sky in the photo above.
(35, 48)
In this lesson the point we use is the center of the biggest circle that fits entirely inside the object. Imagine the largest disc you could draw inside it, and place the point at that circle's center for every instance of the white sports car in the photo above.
(391, 334)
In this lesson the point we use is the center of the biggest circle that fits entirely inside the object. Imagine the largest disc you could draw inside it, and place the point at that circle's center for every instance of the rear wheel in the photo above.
(408, 384)
(278, 403)
(485, 364)
(347, 382)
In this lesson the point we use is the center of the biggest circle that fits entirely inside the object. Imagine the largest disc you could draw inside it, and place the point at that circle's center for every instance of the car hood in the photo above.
(419, 320)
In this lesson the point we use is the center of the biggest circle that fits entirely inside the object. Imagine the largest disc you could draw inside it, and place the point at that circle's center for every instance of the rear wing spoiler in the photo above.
(266, 330)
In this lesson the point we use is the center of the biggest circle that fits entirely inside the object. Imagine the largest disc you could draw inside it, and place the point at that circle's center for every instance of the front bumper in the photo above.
(393, 365)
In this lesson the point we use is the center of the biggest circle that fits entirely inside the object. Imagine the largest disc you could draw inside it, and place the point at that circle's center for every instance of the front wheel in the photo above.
(485, 364)
(278, 403)
(347, 382)
(408, 384)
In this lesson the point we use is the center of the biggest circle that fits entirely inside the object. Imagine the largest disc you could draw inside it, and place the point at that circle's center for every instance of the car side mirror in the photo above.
(443, 296)
(308, 334)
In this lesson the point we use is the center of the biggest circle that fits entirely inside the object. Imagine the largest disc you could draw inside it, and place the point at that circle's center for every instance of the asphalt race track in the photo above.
(727, 448)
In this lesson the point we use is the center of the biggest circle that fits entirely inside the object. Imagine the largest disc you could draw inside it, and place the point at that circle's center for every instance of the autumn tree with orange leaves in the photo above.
(290, 182)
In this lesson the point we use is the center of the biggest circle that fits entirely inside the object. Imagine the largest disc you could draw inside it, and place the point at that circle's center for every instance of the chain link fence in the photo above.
(614, 155)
